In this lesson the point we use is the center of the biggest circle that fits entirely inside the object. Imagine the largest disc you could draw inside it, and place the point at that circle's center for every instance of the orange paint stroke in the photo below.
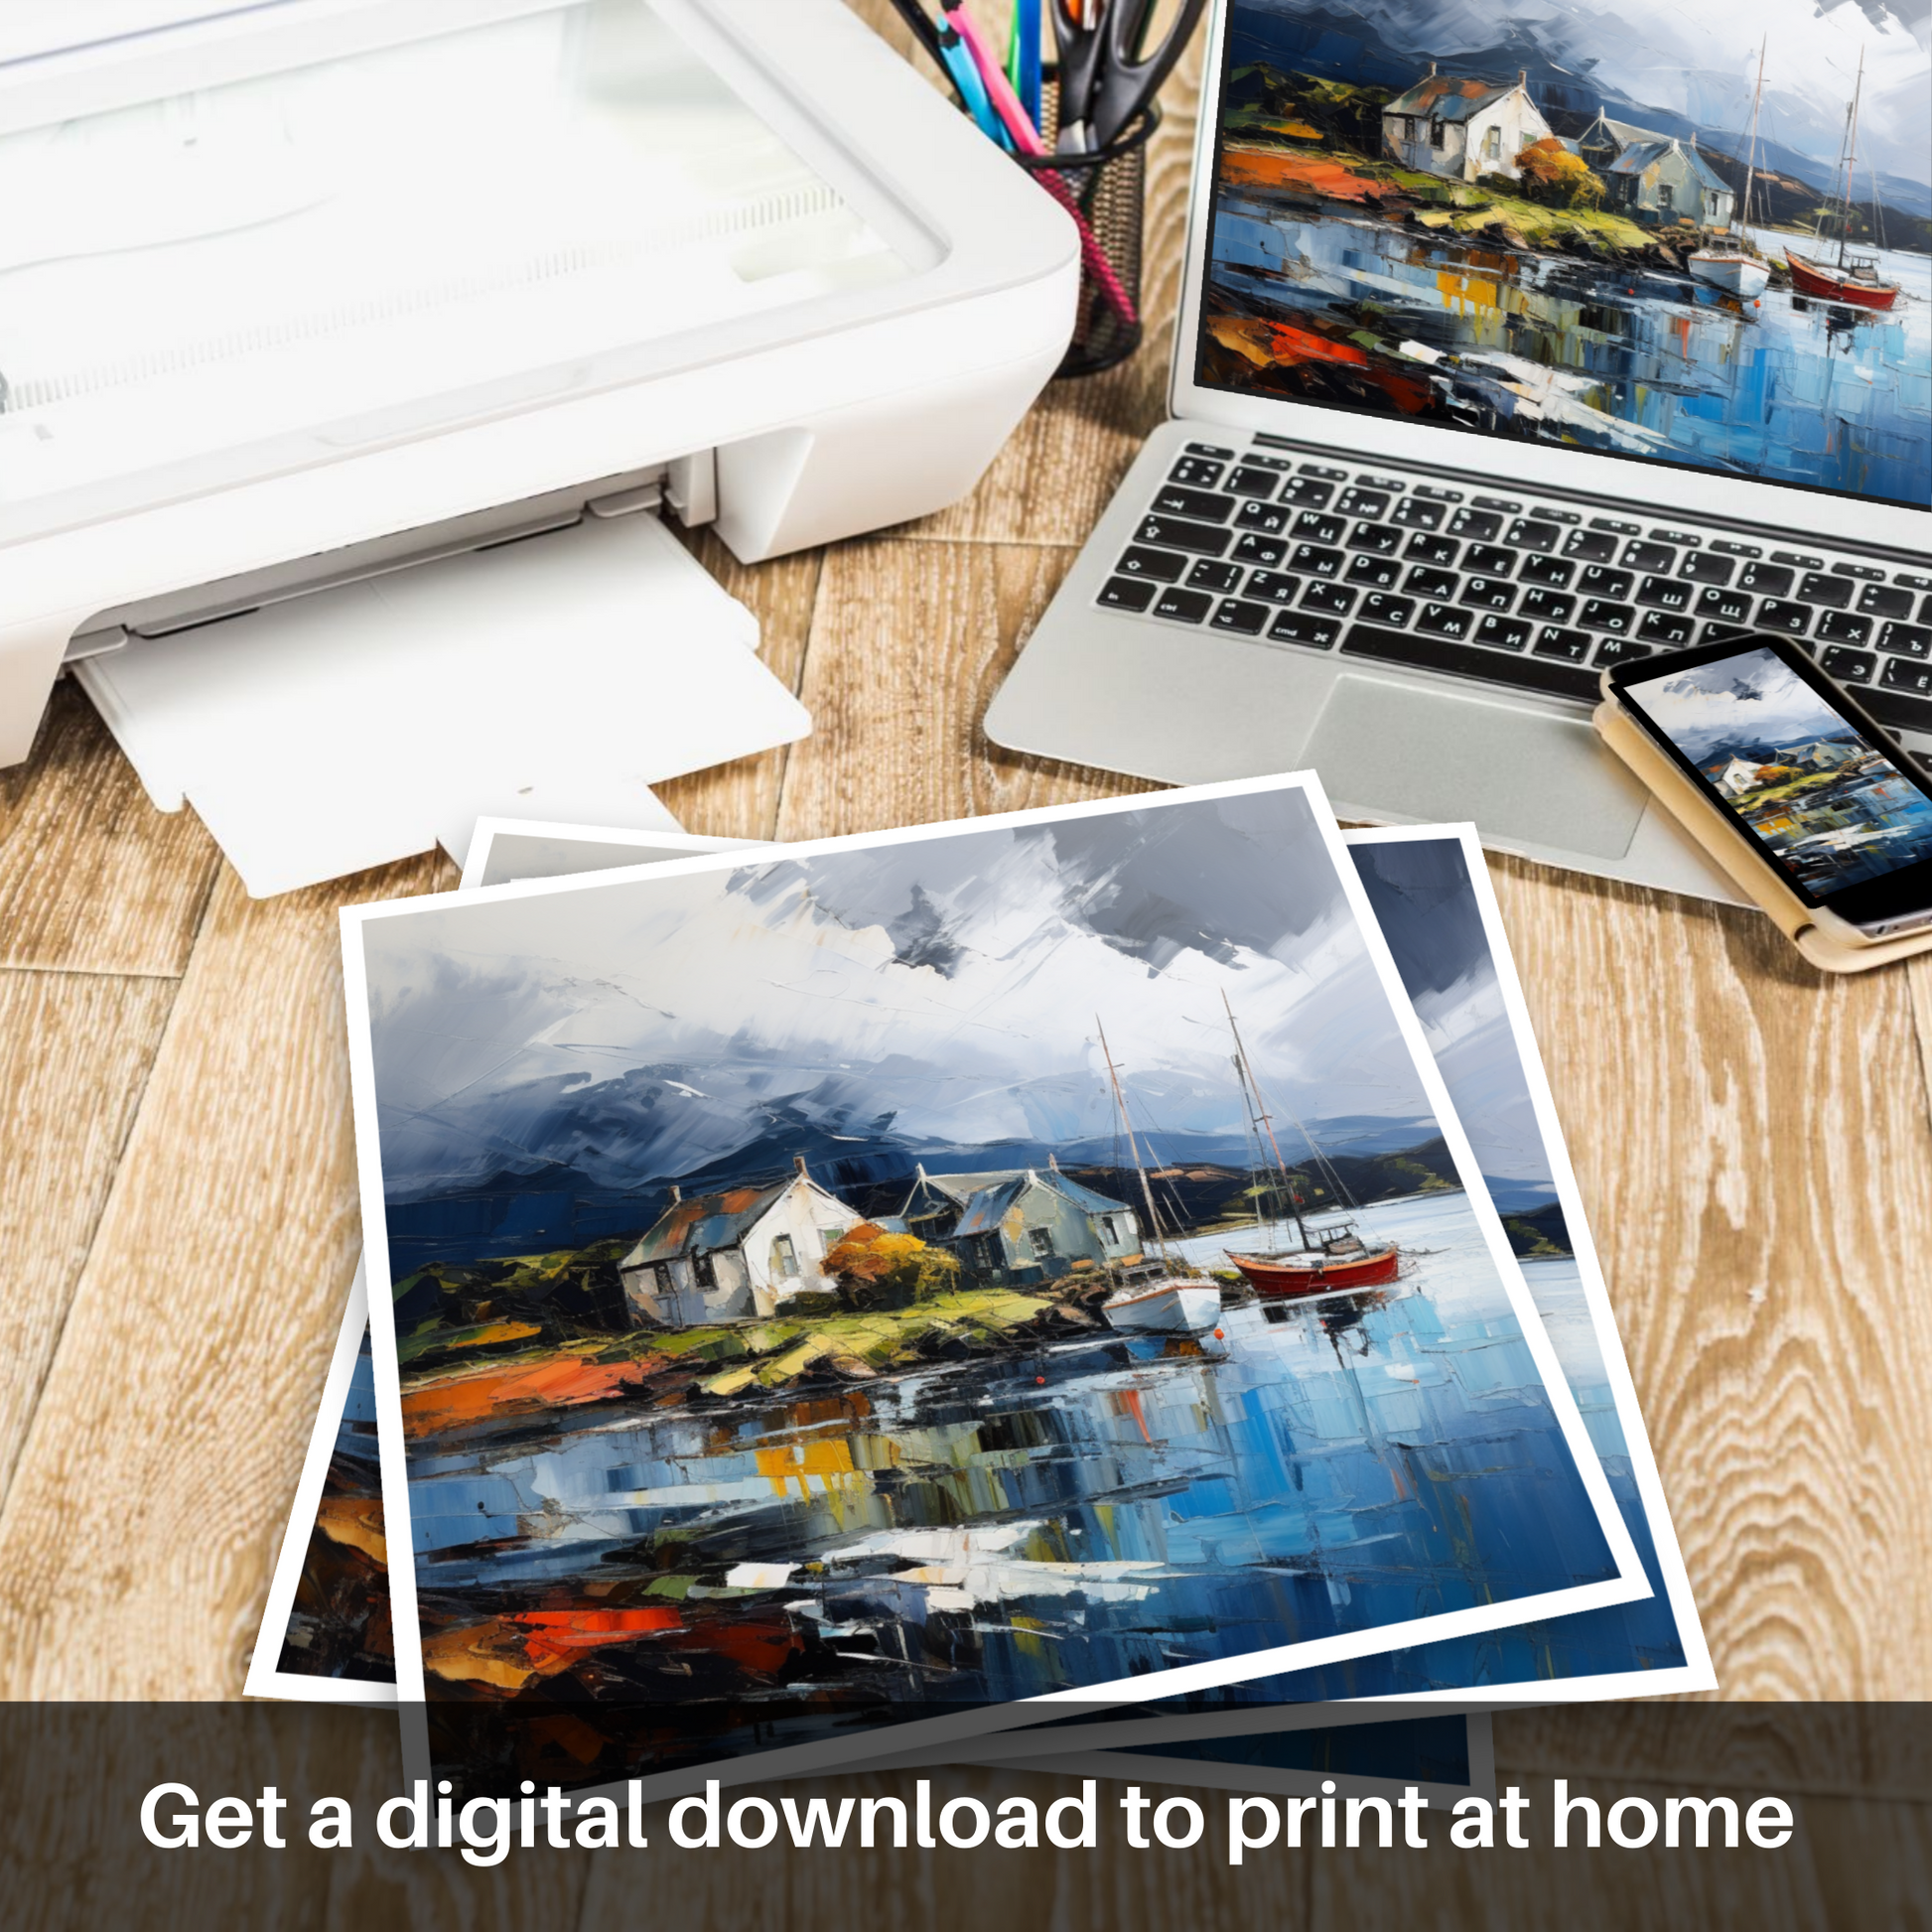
(560, 1382)
(1308, 174)
(1129, 1400)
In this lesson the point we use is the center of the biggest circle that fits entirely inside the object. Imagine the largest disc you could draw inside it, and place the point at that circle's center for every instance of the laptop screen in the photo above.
(1657, 230)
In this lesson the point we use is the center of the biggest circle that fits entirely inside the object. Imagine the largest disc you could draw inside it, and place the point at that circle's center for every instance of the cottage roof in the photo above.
(1634, 159)
(1625, 133)
(988, 1206)
(1449, 96)
(705, 1224)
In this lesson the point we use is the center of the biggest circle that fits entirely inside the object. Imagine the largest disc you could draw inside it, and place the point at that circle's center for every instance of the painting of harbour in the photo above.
(826, 1388)
(1826, 802)
(1673, 233)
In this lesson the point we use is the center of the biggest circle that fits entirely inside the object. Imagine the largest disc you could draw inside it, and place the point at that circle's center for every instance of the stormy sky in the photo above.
(1750, 699)
(946, 988)
(1699, 58)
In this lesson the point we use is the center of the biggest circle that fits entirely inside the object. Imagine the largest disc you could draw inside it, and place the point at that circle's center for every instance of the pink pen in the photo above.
(1025, 138)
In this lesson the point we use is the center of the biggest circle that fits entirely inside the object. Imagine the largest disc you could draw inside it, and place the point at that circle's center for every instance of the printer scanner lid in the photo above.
(246, 238)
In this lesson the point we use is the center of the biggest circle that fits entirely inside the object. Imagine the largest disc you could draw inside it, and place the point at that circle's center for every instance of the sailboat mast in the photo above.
(1750, 164)
(1851, 160)
(1267, 1124)
(1133, 1146)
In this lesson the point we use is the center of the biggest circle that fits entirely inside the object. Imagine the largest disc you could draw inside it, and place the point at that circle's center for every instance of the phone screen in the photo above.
(1831, 805)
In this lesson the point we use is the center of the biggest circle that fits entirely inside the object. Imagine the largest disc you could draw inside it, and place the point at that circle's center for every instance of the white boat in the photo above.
(1174, 1305)
(1730, 269)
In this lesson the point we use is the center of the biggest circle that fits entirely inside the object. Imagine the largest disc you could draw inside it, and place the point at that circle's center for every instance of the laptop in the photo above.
(1507, 353)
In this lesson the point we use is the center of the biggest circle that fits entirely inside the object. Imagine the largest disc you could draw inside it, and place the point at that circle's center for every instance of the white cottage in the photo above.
(1460, 127)
(1737, 778)
(734, 1256)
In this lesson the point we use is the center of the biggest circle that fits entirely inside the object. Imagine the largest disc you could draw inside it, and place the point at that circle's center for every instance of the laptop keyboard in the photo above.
(1523, 593)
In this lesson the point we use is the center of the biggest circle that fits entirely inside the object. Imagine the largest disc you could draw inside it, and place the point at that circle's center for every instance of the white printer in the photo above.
(311, 309)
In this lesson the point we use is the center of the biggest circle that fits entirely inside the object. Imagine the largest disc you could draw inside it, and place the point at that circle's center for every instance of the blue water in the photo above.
(1624, 360)
(1082, 1512)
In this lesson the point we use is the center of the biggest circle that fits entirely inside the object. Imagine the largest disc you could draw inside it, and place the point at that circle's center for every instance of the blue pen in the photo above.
(1025, 81)
(972, 89)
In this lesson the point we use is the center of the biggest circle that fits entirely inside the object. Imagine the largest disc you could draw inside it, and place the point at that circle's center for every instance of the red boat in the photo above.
(1857, 283)
(1342, 1261)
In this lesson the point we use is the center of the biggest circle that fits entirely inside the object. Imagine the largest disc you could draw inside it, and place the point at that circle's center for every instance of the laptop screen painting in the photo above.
(1603, 228)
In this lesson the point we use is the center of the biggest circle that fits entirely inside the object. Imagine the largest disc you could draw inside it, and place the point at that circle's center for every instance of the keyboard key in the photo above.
(1871, 573)
(1127, 593)
(1598, 582)
(1306, 492)
(1555, 642)
(1432, 583)
(1437, 653)
(1911, 580)
(1311, 559)
(1664, 627)
(1332, 598)
(1489, 559)
(1275, 584)
(1649, 556)
(1675, 537)
(1235, 613)
(1615, 526)
(1665, 594)
(1440, 496)
(1925, 612)
(1425, 549)
(1298, 627)
(1172, 501)
(1700, 567)
(1895, 709)
(1553, 571)
(1362, 503)
(1842, 627)
(1210, 449)
(1767, 578)
(1599, 613)
(1831, 592)
(1589, 546)
(1726, 607)
(1417, 513)
(1313, 527)
(1907, 639)
(1546, 606)
(1162, 565)
(1394, 611)
(1446, 620)
(1531, 534)
(1797, 560)
(1250, 481)
(1252, 549)
(1902, 674)
(1730, 549)
(1503, 504)
(1176, 533)
(1619, 650)
(1480, 524)
(1281, 464)
(1207, 575)
(1183, 607)
(1875, 601)
(1196, 472)
(1384, 539)
(1779, 613)
(1488, 595)
(1391, 483)
(1270, 519)
(1503, 633)
(1548, 515)
(1319, 469)
(1380, 572)
(1848, 667)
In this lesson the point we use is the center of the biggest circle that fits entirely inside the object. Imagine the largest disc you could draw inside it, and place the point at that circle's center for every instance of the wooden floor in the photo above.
(178, 1214)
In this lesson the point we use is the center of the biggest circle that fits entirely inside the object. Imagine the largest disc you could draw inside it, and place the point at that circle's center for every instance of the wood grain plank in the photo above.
(152, 1489)
(739, 800)
(908, 644)
(92, 879)
(1755, 1153)
(74, 1054)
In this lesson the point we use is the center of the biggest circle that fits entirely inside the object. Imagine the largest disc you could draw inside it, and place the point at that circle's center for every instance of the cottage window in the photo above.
(1664, 197)
(1492, 144)
(1435, 131)
(785, 1256)
(985, 1252)
(704, 1271)
(1109, 1230)
(1043, 1243)
(831, 1237)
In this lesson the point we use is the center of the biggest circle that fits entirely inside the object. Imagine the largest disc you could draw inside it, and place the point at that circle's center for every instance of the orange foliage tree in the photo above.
(1561, 175)
(873, 1266)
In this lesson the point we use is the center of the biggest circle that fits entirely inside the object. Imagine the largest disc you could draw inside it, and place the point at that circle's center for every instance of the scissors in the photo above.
(1106, 76)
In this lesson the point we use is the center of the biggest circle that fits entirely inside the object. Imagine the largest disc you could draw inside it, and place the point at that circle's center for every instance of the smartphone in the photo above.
(1838, 811)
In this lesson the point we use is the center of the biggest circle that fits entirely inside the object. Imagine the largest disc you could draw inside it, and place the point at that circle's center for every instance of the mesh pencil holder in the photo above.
(1105, 191)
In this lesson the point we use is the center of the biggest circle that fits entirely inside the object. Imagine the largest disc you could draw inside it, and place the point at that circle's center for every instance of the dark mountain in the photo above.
(1542, 1233)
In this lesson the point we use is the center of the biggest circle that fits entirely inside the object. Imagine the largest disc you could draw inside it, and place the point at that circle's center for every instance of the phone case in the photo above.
(1729, 846)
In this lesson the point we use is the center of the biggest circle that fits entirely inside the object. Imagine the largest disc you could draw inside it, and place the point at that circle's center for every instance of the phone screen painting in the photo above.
(1829, 807)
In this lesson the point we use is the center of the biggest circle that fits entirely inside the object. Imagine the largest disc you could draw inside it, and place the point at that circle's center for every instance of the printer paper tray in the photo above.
(557, 677)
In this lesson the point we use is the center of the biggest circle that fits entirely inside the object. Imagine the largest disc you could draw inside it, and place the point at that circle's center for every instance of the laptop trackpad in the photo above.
(1390, 748)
